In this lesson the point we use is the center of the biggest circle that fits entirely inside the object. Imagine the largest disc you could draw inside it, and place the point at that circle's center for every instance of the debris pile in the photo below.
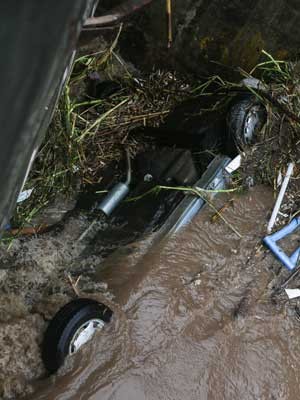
(278, 143)
(91, 126)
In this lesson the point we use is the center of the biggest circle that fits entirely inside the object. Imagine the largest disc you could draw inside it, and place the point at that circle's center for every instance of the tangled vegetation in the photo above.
(89, 131)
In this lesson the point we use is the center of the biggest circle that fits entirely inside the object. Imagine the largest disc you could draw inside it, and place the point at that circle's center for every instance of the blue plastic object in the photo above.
(290, 262)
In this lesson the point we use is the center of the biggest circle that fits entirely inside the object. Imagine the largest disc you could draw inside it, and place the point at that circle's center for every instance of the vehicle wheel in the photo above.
(245, 119)
(73, 326)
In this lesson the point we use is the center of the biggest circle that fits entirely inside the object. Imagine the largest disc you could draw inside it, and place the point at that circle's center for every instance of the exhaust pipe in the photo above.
(112, 199)
(118, 193)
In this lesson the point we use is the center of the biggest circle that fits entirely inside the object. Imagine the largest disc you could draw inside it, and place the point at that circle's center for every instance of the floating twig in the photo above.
(216, 216)
(87, 231)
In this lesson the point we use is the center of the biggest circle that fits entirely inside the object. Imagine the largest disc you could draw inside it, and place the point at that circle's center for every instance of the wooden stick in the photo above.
(169, 19)
(27, 231)
(216, 216)
(74, 284)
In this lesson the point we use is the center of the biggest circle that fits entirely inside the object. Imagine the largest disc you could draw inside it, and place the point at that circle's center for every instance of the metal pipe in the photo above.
(270, 241)
(113, 198)
(115, 15)
(117, 193)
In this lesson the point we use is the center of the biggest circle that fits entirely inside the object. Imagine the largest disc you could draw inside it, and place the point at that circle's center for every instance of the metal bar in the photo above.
(115, 15)
(271, 242)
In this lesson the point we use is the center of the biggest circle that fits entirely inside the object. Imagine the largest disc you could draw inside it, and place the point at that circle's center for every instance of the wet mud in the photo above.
(195, 319)
(34, 284)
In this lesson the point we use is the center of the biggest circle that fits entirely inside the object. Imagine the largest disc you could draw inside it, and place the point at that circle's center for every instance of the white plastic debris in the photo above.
(234, 164)
(24, 195)
(279, 179)
(254, 84)
(280, 197)
(292, 293)
(32, 158)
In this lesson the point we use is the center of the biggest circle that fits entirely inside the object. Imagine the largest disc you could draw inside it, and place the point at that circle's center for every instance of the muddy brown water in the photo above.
(195, 320)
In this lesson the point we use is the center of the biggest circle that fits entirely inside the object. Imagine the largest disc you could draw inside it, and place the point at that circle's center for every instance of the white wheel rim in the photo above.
(252, 121)
(85, 333)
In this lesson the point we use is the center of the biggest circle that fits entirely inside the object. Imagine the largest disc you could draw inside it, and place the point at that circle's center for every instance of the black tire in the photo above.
(241, 132)
(63, 327)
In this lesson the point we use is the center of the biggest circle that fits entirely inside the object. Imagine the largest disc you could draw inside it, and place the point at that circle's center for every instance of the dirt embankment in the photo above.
(34, 284)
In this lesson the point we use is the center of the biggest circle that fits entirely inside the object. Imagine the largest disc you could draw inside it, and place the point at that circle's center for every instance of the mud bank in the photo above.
(195, 316)
(210, 36)
(34, 284)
